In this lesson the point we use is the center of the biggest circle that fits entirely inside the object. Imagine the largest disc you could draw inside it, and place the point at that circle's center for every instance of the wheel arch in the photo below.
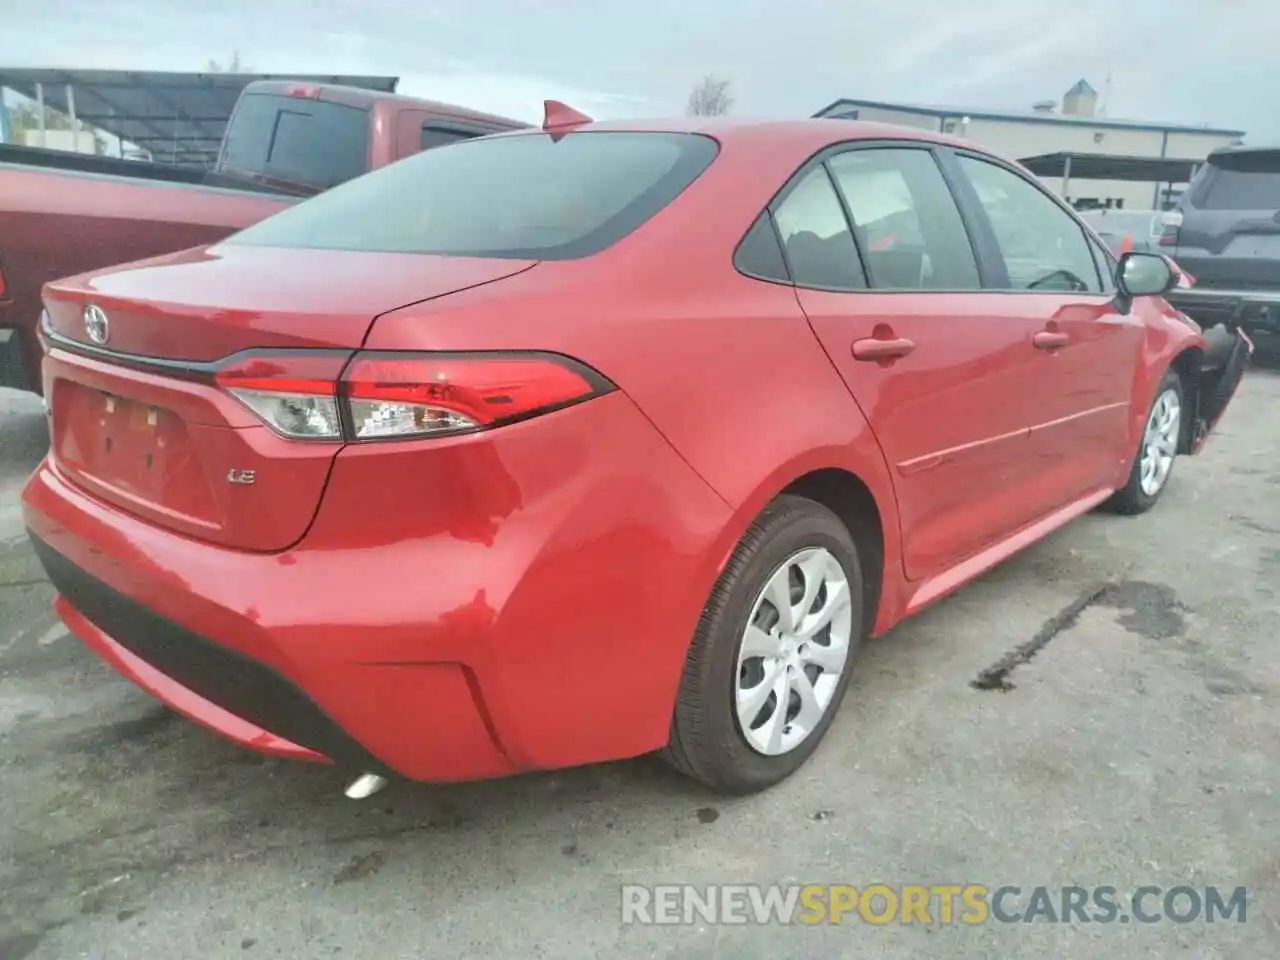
(849, 498)
(1187, 364)
(1169, 345)
(858, 490)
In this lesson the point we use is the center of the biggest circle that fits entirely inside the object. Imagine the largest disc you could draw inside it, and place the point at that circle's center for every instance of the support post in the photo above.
(75, 121)
(44, 140)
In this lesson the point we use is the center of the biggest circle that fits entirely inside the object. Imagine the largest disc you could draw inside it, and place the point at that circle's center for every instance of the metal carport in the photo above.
(1110, 166)
(178, 117)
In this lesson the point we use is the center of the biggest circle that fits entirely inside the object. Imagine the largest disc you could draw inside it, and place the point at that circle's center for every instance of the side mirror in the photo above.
(1144, 275)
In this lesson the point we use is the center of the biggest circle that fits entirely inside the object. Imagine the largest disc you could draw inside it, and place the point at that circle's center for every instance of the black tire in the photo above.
(1131, 499)
(706, 741)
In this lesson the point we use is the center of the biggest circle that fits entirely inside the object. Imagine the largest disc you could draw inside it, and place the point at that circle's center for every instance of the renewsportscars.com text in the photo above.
(969, 904)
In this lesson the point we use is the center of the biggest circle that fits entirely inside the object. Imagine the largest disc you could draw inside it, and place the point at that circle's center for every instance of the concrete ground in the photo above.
(1141, 745)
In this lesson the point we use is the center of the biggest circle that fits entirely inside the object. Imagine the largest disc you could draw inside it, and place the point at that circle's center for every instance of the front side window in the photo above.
(815, 235)
(909, 227)
(1104, 260)
(1043, 247)
(526, 196)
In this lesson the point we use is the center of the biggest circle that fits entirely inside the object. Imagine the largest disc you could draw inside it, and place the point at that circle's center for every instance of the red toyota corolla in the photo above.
(583, 442)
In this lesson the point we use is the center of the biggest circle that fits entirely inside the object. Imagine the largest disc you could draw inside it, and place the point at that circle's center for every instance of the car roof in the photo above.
(807, 133)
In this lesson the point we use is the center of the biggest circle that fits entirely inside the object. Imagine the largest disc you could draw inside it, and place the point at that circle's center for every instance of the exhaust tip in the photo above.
(365, 785)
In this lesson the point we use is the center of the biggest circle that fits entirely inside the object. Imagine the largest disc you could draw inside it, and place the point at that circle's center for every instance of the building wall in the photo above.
(1018, 140)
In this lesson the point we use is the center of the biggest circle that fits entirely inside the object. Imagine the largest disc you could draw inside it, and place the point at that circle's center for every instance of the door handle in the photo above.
(874, 349)
(1050, 340)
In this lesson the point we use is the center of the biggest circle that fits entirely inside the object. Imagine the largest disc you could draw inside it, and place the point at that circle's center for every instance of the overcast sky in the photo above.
(1188, 61)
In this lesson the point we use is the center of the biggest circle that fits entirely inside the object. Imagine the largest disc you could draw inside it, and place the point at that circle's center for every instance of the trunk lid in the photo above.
(136, 419)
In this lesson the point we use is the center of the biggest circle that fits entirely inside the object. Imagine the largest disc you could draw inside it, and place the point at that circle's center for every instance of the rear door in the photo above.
(1088, 352)
(945, 381)
(1229, 236)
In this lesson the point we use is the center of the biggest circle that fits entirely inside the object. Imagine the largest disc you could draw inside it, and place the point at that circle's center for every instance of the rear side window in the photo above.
(524, 196)
(1242, 181)
(908, 224)
(759, 255)
(311, 142)
(815, 235)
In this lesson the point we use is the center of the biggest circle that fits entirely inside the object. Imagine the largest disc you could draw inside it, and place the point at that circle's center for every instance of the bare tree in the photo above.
(234, 65)
(712, 97)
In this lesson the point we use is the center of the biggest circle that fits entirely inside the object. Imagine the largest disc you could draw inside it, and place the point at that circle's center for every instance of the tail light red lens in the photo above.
(392, 396)
(319, 395)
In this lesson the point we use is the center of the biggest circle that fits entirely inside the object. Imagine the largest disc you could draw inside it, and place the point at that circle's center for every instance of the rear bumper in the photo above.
(245, 700)
(1256, 309)
(432, 623)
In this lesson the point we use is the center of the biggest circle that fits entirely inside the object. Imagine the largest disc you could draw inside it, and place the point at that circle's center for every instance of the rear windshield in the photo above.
(1242, 181)
(311, 142)
(523, 196)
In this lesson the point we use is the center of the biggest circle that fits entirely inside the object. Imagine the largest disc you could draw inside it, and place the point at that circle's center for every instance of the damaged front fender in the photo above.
(1221, 369)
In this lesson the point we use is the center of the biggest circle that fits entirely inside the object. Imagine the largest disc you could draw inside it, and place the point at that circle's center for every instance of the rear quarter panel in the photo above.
(726, 367)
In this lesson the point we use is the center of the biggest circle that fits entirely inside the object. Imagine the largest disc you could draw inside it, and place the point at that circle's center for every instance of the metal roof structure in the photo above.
(844, 107)
(1104, 166)
(179, 117)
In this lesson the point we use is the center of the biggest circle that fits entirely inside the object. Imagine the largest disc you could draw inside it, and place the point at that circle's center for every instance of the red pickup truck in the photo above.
(64, 213)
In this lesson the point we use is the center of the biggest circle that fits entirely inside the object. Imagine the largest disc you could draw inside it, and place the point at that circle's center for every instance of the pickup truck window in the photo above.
(311, 142)
(525, 196)
(434, 135)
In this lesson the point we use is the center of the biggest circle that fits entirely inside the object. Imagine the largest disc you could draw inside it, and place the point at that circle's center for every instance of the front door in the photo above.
(1089, 350)
(945, 381)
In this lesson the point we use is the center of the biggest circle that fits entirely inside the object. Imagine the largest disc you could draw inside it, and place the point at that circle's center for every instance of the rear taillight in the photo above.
(1170, 222)
(319, 395)
(295, 394)
(392, 395)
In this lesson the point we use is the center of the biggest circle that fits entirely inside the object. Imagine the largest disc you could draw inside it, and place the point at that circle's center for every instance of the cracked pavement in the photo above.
(1138, 743)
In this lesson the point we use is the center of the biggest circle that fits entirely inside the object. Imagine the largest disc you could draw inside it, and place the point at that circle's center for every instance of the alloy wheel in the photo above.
(1160, 442)
(793, 651)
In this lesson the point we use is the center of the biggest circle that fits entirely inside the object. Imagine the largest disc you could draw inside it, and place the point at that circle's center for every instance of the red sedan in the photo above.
(578, 443)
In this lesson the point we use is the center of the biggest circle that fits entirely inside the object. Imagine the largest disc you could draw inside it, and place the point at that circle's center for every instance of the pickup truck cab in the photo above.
(63, 213)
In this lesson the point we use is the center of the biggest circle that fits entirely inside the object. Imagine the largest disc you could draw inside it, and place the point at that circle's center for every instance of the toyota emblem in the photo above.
(95, 324)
